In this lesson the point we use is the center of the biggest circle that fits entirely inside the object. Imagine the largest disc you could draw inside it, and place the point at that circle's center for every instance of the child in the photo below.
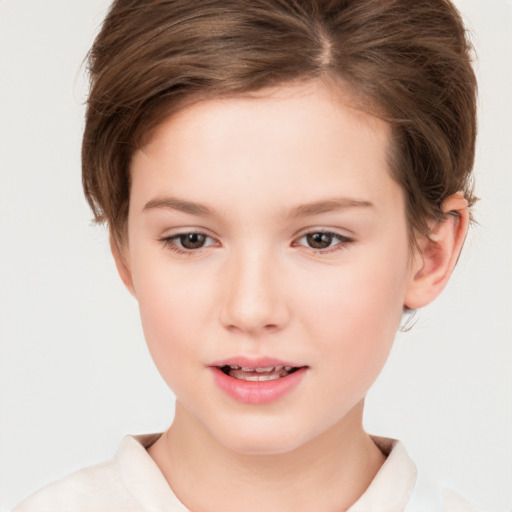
(282, 180)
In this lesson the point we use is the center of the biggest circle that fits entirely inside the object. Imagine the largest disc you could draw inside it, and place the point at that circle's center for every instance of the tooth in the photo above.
(234, 367)
(267, 369)
(268, 377)
(247, 369)
(261, 378)
(250, 377)
(257, 378)
(288, 368)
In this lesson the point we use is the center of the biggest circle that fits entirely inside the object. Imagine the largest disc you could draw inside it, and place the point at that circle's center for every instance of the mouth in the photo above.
(260, 374)
(257, 381)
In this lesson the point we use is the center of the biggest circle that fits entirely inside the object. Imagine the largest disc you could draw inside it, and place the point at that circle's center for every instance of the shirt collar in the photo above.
(392, 487)
(389, 491)
(143, 478)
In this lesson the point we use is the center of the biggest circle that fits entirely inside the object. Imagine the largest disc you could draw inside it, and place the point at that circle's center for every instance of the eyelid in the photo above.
(338, 232)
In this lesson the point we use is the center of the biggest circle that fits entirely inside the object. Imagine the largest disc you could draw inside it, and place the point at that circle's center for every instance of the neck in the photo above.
(326, 474)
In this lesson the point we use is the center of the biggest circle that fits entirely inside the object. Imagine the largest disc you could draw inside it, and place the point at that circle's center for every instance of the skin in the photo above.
(258, 288)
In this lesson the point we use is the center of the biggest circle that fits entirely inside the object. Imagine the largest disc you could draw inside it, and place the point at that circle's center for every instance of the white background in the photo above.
(75, 373)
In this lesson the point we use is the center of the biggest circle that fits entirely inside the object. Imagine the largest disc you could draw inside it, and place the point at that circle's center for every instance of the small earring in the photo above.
(409, 319)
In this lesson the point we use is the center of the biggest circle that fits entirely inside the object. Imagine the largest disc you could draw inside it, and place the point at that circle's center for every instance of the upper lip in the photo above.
(258, 362)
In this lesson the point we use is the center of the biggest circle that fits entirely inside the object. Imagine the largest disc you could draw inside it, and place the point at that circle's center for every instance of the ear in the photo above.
(438, 253)
(120, 253)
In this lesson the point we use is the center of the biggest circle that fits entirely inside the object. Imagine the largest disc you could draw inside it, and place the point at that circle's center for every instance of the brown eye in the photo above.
(319, 240)
(192, 240)
(189, 243)
(323, 242)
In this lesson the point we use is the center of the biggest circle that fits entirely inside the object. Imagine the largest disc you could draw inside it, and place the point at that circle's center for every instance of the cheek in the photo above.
(366, 293)
(173, 307)
(354, 317)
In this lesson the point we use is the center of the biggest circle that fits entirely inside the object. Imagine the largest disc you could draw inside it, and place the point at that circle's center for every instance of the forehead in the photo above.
(304, 139)
(289, 109)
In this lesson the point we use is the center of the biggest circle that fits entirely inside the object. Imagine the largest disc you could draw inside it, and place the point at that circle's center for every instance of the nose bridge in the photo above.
(253, 299)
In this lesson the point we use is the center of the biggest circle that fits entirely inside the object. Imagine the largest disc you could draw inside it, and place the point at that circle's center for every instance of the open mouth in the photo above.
(258, 374)
(257, 381)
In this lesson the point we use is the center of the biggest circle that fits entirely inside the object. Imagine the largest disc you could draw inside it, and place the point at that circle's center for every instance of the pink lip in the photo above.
(259, 392)
(258, 362)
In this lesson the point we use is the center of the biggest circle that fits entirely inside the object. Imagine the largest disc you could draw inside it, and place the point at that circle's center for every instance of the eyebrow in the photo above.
(326, 206)
(178, 204)
(303, 210)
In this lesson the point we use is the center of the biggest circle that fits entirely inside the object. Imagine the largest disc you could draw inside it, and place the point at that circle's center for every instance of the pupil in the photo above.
(319, 240)
(192, 240)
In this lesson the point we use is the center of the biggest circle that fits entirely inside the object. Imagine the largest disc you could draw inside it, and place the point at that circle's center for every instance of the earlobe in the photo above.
(438, 253)
(119, 252)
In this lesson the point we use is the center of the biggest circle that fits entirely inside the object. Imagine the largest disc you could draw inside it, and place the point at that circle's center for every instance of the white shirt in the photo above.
(132, 482)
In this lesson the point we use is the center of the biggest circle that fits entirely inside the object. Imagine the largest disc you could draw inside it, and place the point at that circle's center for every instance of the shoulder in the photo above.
(455, 503)
(111, 486)
(430, 495)
(439, 500)
(97, 487)
(401, 486)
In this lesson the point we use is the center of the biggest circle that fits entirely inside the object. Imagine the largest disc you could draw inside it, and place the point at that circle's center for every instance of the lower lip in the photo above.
(257, 392)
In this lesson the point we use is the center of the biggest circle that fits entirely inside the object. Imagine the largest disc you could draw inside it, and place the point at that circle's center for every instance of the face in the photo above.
(266, 233)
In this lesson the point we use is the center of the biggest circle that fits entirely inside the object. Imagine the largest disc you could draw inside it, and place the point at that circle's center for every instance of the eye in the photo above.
(323, 241)
(187, 242)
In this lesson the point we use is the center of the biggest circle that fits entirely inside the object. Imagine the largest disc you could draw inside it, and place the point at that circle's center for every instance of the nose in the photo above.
(254, 299)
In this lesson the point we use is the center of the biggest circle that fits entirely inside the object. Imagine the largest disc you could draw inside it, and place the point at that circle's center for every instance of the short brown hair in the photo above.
(410, 59)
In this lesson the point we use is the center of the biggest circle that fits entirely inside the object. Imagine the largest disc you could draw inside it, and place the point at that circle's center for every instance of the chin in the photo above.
(245, 445)
(269, 438)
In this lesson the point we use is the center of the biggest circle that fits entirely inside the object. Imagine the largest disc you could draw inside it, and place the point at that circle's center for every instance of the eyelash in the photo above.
(172, 242)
